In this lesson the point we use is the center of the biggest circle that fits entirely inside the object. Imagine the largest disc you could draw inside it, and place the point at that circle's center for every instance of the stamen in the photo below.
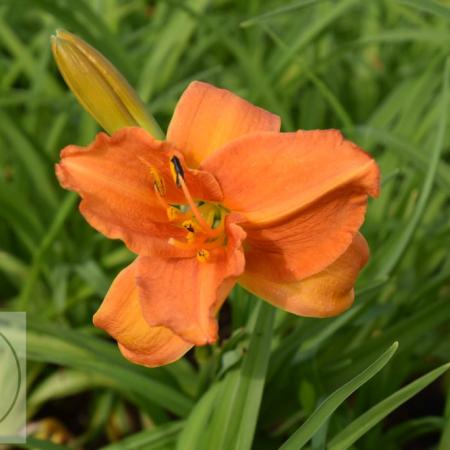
(173, 214)
(178, 174)
(158, 182)
(189, 225)
(162, 200)
(176, 170)
(201, 236)
(182, 245)
(190, 237)
(199, 242)
(201, 221)
(203, 255)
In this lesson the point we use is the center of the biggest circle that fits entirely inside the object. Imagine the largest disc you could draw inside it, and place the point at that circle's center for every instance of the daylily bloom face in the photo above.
(225, 198)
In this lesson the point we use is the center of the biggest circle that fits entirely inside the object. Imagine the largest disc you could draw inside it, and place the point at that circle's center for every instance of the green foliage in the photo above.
(376, 70)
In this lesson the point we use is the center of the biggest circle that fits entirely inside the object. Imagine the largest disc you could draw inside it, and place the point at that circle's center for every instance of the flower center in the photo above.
(204, 222)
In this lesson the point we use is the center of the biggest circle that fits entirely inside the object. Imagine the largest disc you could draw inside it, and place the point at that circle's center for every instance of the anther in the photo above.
(172, 213)
(190, 237)
(177, 170)
(202, 255)
(188, 225)
(158, 182)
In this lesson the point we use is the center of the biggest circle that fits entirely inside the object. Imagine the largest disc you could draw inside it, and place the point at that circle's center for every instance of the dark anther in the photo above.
(178, 169)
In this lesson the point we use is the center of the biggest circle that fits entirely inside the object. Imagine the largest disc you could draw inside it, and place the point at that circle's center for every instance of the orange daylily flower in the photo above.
(226, 198)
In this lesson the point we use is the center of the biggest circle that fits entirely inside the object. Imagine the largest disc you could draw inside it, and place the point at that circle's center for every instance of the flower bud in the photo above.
(99, 86)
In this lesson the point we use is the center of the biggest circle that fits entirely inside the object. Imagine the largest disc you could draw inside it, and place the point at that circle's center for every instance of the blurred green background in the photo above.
(373, 68)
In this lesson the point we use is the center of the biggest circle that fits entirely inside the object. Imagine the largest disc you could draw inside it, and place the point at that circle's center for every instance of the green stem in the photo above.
(253, 377)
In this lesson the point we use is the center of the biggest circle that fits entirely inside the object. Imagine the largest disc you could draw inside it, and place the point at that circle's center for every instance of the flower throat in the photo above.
(204, 222)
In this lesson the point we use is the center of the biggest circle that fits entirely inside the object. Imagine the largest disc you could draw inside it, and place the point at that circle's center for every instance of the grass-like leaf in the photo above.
(327, 408)
(238, 402)
(366, 421)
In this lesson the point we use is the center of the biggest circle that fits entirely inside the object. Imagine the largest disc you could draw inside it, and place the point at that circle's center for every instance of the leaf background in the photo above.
(376, 70)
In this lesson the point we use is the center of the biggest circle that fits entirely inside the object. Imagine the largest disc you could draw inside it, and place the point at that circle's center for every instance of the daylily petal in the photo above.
(310, 240)
(325, 294)
(99, 86)
(120, 315)
(184, 295)
(206, 118)
(112, 176)
(269, 176)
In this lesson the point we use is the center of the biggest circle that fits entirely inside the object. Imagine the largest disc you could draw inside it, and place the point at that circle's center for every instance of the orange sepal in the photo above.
(185, 295)
(269, 176)
(120, 315)
(113, 177)
(327, 293)
(206, 118)
(309, 241)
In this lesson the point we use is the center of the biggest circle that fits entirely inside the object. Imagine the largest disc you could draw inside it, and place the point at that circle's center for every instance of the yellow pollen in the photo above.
(203, 221)
(173, 213)
(190, 226)
(158, 182)
(190, 237)
(203, 255)
(177, 172)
